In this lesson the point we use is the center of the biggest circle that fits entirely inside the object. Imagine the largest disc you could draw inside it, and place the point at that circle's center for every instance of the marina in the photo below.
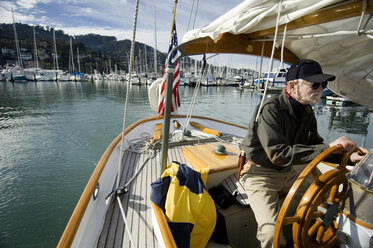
(174, 163)
(53, 134)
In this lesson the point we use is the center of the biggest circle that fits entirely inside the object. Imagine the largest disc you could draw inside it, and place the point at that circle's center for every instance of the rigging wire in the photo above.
(195, 14)
(190, 15)
(271, 60)
(194, 98)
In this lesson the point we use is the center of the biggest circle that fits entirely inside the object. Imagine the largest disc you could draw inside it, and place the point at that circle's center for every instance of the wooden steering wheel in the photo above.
(314, 222)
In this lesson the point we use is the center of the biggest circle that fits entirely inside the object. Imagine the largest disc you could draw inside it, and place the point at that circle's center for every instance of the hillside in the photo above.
(95, 51)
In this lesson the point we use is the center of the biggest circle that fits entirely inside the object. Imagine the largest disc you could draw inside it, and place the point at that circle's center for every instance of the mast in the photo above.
(155, 40)
(55, 50)
(77, 55)
(36, 64)
(20, 64)
(146, 61)
(71, 59)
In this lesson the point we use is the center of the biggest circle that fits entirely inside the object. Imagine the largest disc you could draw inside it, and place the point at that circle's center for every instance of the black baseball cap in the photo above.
(309, 70)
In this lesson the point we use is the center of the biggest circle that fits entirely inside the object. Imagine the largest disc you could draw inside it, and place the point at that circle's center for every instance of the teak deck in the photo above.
(136, 202)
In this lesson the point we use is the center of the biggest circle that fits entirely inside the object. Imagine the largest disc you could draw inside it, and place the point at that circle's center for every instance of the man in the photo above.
(283, 136)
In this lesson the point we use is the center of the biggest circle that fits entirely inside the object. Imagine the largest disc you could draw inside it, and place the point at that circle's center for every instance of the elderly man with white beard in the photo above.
(282, 137)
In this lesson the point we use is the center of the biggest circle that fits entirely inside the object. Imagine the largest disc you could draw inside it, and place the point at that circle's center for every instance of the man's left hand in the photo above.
(358, 155)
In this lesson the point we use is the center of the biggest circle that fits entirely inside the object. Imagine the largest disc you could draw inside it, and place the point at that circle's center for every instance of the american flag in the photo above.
(175, 89)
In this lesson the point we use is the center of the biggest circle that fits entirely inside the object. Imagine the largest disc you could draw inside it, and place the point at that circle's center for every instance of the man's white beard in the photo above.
(313, 98)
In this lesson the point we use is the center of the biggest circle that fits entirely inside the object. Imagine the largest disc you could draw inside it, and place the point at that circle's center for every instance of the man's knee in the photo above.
(266, 233)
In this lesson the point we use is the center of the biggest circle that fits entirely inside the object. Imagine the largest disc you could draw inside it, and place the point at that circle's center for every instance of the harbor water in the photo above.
(53, 134)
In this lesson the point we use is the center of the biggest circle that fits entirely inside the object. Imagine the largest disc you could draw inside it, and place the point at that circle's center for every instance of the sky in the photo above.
(116, 18)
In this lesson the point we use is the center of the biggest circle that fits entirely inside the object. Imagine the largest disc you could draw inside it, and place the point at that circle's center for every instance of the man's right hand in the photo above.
(347, 144)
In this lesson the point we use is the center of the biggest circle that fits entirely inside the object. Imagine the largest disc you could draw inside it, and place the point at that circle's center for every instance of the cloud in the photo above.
(27, 4)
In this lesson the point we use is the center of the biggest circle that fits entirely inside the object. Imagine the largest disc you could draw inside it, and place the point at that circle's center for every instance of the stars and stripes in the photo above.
(176, 81)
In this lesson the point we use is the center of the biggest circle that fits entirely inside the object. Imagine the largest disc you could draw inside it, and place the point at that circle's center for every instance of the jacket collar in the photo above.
(286, 105)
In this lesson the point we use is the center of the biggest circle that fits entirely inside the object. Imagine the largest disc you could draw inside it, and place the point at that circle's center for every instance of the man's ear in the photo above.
(291, 86)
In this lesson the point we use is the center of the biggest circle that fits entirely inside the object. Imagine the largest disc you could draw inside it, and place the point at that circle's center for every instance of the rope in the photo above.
(282, 51)
(124, 122)
(152, 153)
(127, 93)
(271, 60)
(194, 98)
(125, 221)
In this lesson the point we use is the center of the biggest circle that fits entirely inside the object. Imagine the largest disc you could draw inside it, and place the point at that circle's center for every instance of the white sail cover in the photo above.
(341, 52)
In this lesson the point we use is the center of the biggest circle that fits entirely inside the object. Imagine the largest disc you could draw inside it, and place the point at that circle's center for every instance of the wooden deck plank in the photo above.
(128, 205)
(137, 200)
(148, 239)
(155, 173)
(109, 229)
(117, 235)
(143, 223)
(127, 173)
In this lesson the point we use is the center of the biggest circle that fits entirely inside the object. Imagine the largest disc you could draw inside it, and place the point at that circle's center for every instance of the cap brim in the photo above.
(319, 78)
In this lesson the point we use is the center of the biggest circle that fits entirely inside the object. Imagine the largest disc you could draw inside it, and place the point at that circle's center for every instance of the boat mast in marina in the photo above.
(71, 58)
(19, 58)
(155, 40)
(77, 55)
(55, 50)
(36, 64)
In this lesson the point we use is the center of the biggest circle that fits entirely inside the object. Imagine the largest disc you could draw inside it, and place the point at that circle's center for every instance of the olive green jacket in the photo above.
(278, 139)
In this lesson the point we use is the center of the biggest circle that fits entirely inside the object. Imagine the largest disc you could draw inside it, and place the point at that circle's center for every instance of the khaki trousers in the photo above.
(266, 189)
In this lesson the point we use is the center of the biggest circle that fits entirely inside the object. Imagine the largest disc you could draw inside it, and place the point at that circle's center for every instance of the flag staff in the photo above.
(173, 19)
(170, 70)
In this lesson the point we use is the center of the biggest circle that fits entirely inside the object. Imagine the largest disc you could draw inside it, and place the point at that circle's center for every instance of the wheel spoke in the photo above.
(320, 233)
(315, 176)
(333, 193)
(314, 227)
(316, 215)
(328, 234)
(291, 220)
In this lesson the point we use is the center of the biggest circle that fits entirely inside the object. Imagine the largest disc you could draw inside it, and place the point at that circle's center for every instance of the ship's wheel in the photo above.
(314, 222)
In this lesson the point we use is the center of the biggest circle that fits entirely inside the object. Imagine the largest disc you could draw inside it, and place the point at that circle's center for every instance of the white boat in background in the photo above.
(13, 73)
(115, 210)
(276, 80)
(337, 100)
(97, 76)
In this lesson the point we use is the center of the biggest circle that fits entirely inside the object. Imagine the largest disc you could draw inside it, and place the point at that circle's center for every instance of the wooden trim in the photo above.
(357, 221)
(73, 224)
(224, 168)
(236, 44)
(157, 132)
(205, 129)
(164, 227)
